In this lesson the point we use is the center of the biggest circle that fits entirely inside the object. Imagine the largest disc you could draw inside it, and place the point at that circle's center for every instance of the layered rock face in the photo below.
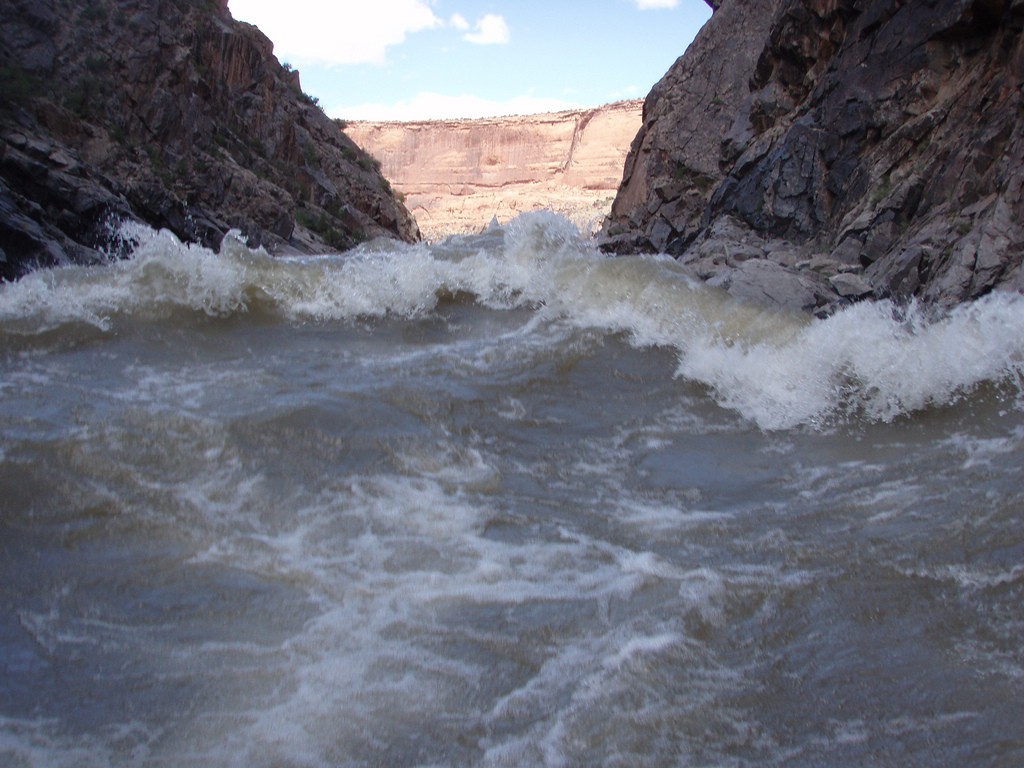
(458, 175)
(172, 113)
(814, 152)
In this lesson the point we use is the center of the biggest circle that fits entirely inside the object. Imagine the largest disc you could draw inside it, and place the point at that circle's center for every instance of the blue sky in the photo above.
(431, 59)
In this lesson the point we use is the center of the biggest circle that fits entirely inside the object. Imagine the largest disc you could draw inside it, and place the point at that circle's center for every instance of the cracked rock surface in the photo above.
(174, 114)
(846, 148)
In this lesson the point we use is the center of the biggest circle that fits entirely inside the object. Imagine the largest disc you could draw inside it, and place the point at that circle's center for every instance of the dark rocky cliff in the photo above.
(169, 112)
(815, 152)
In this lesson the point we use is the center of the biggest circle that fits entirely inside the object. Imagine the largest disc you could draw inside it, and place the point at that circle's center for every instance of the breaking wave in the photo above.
(873, 360)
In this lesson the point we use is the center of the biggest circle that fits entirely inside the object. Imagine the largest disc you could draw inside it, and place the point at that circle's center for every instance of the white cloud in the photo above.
(459, 22)
(490, 29)
(646, 5)
(437, 106)
(311, 31)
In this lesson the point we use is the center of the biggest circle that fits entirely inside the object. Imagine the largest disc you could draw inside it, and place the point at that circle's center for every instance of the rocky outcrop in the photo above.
(816, 152)
(172, 113)
(458, 175)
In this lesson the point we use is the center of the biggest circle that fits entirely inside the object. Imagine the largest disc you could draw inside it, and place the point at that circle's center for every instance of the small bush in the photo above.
(323, 226)
(18, 85)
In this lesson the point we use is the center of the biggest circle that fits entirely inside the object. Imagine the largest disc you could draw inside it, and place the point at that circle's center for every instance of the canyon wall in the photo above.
(172, 113)
(458, 175)
(816, 152)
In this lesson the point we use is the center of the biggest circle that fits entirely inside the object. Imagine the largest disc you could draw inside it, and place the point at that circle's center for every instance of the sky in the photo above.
(435, 59)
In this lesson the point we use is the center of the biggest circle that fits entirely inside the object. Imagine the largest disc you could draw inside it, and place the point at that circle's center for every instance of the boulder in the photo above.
(761, 281)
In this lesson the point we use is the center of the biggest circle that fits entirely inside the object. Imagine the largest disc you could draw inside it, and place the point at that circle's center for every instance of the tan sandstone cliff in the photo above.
(457, 175)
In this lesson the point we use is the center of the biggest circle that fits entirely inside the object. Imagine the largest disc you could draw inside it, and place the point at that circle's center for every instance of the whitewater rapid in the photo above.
(873, 360)
(500, 500)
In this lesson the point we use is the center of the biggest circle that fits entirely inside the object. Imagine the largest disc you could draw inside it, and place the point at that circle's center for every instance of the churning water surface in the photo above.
(500, 500)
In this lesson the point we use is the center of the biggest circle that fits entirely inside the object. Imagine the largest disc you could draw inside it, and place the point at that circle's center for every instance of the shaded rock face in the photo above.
(172, 113)
(865, 147)
(458, 175)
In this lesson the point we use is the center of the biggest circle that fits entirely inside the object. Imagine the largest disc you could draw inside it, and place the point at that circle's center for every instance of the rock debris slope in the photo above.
(810, 153)
(172, 113)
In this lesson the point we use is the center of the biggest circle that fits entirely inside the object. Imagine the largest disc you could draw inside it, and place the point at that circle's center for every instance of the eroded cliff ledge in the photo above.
(815, 152)
(172, 113)
(458, 175)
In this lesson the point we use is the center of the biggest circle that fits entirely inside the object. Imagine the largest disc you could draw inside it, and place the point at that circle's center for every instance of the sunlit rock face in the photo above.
(864, 147)
(458, 175)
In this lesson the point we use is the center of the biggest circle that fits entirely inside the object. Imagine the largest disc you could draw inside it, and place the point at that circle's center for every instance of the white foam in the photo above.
(971, 578)
(161, 274)
(983, 452)
(779, 371)
(640, 646)
(704, 590)
(869, 358)
(652, 518)
(39, 742)
(513, 409)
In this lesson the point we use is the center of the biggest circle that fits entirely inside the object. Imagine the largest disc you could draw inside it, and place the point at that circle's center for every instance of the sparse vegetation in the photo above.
(368, 162)
(323, 225)
(18, 85)
(882, 191)
(85, 95)
(182, 127)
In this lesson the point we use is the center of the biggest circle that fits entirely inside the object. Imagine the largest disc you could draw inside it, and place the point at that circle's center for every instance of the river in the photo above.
(501, 500)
